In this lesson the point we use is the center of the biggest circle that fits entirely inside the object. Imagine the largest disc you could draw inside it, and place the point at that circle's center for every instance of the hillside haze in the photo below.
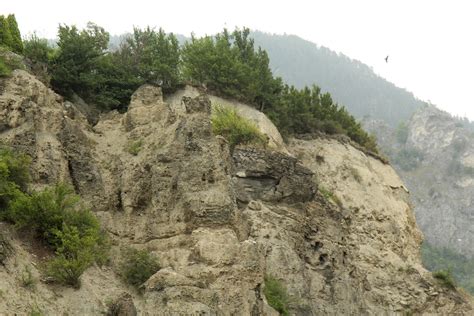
(350, 82)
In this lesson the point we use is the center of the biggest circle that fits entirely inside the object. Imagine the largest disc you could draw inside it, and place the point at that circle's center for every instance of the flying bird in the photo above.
(386, 59)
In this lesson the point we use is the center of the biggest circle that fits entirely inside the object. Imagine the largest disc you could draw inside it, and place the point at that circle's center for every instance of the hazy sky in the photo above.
(430, 43)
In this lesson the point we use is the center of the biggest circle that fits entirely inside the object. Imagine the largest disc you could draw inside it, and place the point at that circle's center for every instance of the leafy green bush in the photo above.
(138, 266)
(43, 212)
(14, 177)
(75, 253)
(236, 129)
(276, 295)
(74, 233)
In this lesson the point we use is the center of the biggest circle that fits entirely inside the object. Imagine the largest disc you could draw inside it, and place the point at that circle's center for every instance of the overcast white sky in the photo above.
(430, 42)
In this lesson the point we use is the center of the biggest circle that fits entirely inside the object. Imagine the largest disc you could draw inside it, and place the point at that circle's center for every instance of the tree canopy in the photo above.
(10, 36)
(227, 64)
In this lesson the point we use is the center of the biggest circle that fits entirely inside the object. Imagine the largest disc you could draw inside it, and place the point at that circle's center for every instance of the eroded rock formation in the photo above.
(334, 225)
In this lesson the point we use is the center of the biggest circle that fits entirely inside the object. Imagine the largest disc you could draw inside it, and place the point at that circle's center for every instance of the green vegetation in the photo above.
(138, 266)
(54, 216)
(153, 57)
(227, 64)
(276, 295)
(40, 54)
(450, 266)
(83, 65)
(236, 129)
(14, 176)
(35, 311)
(10, 36)
(134, 147)
(329, 196)
(74, 233)
(5, 71)
(27, 279)
(445, 277)
(9, 62)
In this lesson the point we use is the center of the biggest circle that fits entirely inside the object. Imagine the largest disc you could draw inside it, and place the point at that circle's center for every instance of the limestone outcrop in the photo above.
(333, 225)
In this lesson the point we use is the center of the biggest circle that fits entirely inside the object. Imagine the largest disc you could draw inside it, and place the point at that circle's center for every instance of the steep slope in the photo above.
(219, 221)
(436, 162)
(350, 82)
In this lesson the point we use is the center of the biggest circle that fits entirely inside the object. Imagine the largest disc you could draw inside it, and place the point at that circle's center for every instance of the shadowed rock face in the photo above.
(219, 222)
(271, 176)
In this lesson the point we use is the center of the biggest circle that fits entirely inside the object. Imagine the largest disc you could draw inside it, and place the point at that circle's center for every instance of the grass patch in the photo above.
(27, 279)
(35, 311)
(134, 147)
(138, 266)
(276, 295)
(445, 277)
(236, 129)
(9, 62)
(329, 196)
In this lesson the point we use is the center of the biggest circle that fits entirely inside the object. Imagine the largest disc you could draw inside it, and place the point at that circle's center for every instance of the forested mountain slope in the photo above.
(350, 82)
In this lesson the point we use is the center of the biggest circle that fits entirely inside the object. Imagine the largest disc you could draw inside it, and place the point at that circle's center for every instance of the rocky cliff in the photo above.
(331, 223)
(435, 158)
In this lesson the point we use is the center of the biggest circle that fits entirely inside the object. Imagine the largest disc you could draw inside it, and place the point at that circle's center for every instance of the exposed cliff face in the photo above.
(441, 180)
(218, 221)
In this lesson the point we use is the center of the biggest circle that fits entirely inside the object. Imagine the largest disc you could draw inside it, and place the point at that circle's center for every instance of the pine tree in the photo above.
(5, 35)
(16, 42)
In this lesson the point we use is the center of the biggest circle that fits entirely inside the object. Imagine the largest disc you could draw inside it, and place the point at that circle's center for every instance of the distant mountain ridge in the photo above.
(350, 82)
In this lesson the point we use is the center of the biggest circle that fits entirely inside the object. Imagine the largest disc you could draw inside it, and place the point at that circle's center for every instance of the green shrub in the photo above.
(75, 253)
(134, 147)
(138, 266)
(14, 177)
(44, 212)
(37, 49)
(236, 129)
(276, 295)
(27, 279)
(445, 277)
(5, 71)
(74, 233)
